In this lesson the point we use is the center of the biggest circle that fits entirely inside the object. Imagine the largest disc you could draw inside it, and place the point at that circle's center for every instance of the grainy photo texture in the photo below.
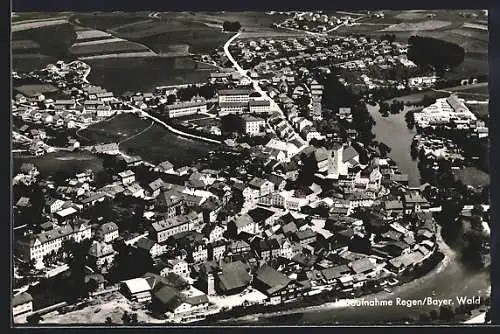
(250, 168)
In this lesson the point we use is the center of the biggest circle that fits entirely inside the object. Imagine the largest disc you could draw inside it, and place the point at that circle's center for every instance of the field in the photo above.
(144, 74)
(472, 92)
(35, 24)
(412, 98)
(50, 163)
(31, 90)
(116, 129)
(28, 62)
(24, 45)
(417, 26)
(106, 48)
(480, 110)
(158, 144)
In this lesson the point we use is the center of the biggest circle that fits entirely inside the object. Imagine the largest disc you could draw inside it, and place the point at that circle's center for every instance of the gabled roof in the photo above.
(272, 279)
(260, 214)
(349, 153)
(145, 243)
(362, 265)
(234, 275)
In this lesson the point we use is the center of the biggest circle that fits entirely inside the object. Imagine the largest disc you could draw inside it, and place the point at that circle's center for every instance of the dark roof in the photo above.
(260, 214)
(234, 92)
(362, 265)
(335, 272)
(349, 153)
(145, 243)
(272, 279)
(234, 275)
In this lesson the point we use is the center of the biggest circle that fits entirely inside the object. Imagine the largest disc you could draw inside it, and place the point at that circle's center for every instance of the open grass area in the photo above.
(417, 97)
(104, 21)
(72, 162)
(157, 144)
(31, 90)
(482, 111)
(106, 48)
(418, 26)
(54, 40)
(24, 45)
(114, 130)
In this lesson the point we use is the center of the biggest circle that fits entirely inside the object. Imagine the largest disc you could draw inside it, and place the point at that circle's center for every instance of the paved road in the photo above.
(274, 106)
(180, 133)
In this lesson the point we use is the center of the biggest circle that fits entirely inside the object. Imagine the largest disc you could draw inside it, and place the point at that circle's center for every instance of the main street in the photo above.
(255, 83)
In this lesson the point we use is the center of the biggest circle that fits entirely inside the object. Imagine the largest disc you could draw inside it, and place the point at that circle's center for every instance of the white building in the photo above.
(37, 246)
(185, 109)
(252, 125)
(232, 108)
(234, 95)
(259, 106)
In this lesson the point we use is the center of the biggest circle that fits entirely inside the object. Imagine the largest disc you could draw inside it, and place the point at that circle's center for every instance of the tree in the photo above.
(33, 319)
(231, 26)
(92, 285)
(446, 313)
(126, 318)
(384, 149)
(133, 319)
(434, 315)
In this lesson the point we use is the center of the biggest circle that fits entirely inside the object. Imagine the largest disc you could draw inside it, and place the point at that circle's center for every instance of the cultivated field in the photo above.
(24, 45)
(417, 26)
(51, 163)
(35, 24)
(110, 46)
(116, 129)
(157, 144)
(31, 90)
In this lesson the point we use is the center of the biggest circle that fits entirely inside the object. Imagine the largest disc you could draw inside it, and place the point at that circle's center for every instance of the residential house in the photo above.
(100, 256)
(151, 247)
(108, 232)
(176, 266)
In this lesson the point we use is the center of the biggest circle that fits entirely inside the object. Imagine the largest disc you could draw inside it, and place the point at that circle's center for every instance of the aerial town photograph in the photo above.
(250, 168)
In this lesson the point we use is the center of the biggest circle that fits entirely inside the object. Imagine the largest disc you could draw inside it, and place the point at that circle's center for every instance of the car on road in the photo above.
(387, 290)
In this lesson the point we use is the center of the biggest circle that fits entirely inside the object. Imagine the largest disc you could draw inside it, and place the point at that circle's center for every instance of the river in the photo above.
(392, 131)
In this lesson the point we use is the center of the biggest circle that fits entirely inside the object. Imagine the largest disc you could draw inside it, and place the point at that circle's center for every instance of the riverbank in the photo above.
(393, 131)
(447, 280)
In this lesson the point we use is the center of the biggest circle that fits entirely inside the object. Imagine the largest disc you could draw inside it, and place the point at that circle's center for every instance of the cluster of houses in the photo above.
(76, 104)
(316, 22)
(271, 245)
(434, 148)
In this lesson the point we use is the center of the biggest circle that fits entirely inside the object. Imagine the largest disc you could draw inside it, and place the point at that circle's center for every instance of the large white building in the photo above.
(234, 95)
(444, 112)
(186, 108)
(39, 245)
(232, 108)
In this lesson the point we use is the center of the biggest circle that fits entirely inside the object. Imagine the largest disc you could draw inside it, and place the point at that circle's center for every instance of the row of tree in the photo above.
(232, 26)
(435, 52)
